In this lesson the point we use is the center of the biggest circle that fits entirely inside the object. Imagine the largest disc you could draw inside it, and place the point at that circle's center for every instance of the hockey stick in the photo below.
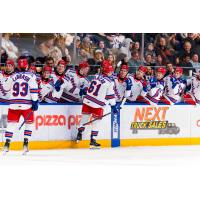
(25, 120)
(123, 102)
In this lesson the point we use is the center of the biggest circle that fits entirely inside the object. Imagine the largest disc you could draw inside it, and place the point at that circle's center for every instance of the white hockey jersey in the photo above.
(136, 89)
(100, 92)
(153, 91)
(194, 84)
(4, 88)
(120, 88)
(173, 89)
(47, 92)
(71, 93)
(23, 89)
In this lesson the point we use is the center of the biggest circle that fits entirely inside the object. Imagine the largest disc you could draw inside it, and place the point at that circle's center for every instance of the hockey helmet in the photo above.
(10, 62)
(83, 64)
(162, 70)
(179, 69)
(142, 68)
(126, 67)
(22, 63)
(47, 68)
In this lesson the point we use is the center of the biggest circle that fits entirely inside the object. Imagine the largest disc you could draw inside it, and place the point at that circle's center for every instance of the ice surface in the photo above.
(144, 156)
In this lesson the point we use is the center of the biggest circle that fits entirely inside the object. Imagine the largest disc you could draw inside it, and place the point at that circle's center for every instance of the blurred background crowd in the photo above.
(134, 49)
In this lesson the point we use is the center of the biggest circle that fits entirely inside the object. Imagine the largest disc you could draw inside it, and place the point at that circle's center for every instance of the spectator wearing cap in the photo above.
(95, 62)
(134, 61)
(186, 63)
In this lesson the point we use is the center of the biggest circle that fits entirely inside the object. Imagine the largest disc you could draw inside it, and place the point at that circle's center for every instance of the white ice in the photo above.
(128, 156)
(150, 173)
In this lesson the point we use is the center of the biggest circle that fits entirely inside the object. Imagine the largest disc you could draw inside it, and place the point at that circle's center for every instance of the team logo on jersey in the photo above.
(153, 118)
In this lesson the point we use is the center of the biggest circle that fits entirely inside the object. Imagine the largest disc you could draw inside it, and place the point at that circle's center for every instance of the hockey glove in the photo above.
(114, 109)
(58, 85)
(128, 84)
(34, 105)
(83, 91)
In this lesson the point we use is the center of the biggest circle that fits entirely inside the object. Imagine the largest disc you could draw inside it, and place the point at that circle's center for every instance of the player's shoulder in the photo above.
(71, 72)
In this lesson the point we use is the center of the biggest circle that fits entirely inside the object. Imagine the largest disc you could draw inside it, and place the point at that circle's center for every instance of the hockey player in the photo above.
(192, 95)
(23, 101)
(155, 87)
(4, 84)
(79, 82)
(46, 87)
(122, 86)
(101, 87)
(138, 83)
(174, 87)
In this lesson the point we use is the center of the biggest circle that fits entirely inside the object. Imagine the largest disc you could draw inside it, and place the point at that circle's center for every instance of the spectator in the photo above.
(4, 56)
(115, 40)
(67, 59)
(187, 50)
(187, 64)
(112, 60)
(136, 47)
(159, 60)
(49, 62)
(103, 48)
(195, 62)
(149, 60)
(170, 69)
(134, 61)
(163, 50)
(149, 73)
(126, 48)
(96, 61)
(98, 58)
(9, 47)
(150, 50)
(86, 45)
(82, 56)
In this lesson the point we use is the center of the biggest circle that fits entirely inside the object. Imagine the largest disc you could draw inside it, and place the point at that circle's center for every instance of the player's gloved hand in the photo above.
(114, 109)
(57, 85)
(128, 84)
(174, 82)
(144, 84)
(83, 91)
(34, 105)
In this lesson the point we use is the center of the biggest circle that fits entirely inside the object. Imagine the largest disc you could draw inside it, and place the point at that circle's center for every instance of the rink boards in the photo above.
(136, 125)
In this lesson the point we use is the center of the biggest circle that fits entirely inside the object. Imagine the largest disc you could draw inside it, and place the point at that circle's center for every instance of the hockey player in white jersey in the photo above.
(122, 84)
(192, 95)
(46, 87)
(101, 88)
(79, 82)
(137, 82)
(23, 101)
(59, 75)
(155, 87)
(4, 83)
(174, 87)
